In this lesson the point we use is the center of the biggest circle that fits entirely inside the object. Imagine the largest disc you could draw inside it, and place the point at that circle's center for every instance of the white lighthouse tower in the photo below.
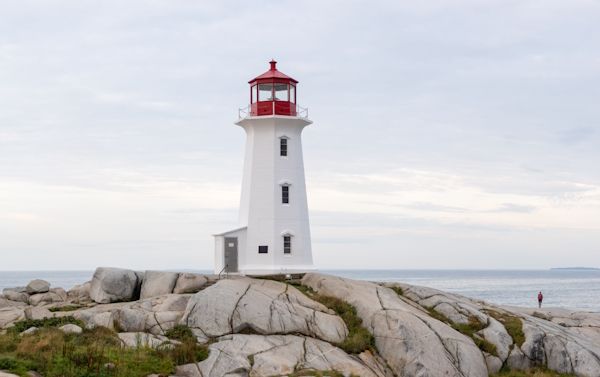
(274, 234)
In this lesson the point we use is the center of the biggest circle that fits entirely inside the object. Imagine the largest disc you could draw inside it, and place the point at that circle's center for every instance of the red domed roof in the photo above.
(273, 73)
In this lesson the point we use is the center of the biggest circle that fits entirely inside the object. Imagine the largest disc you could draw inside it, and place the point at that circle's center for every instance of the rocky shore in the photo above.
(316, 325)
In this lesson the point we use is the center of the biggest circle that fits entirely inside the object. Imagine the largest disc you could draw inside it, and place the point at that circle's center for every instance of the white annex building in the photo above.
(273, 235)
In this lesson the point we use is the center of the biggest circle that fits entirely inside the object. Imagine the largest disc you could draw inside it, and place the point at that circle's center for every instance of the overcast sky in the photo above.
(447, 134)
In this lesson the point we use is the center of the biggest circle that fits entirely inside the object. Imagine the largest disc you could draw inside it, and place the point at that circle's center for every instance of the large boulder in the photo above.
(93, 319)
(38, 286)
(413, 343)
(80, 293)
(16, 294)
(276, 355)
(141, 340)
(113, 285)
(190, 283)
(130, 320)
(10, 315)
(53, 296)
(4, 303)
(461, 310)
(562, 340)
(156, 315)
(157, 283)
(35, 313)
(261, 306)
(71, 329)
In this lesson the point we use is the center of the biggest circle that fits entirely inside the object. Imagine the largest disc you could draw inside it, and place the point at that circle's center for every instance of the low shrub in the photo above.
(308, 291)
(437, 315)
(180, 332)
(359, 339)
(21, 326)
(66, 308)
(399, 291)
(317, 373)
(187, 352)
(9, 342)
(469, 329)
(53, 353)
(13, 365)
(539, 372)
(512, 324)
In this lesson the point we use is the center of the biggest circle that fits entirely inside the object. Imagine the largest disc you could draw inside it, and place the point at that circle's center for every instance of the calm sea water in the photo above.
(577, 289)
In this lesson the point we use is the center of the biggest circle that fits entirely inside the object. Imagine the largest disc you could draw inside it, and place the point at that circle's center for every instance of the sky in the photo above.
(447, 134)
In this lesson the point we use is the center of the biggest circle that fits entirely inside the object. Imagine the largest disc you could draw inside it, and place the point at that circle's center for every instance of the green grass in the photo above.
(531, 373)
(512, 324)
(21, 326)
(359, 339)
(181, 333)
(437, 315)
(66, 308)
(469, 329)
(54, 354)
(317, 373)
(308, 291)
(399, 291)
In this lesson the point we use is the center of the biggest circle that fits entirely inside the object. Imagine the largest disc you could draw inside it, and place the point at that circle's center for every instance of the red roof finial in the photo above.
(273, 73)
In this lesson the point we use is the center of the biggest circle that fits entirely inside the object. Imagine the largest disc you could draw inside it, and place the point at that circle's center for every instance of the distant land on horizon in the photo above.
(576, 268)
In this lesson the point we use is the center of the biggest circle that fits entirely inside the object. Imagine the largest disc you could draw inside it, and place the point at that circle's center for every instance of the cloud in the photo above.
(574, 136)
(511, 207)
(433, 122)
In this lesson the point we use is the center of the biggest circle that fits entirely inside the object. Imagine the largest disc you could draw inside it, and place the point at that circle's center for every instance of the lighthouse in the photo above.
(273, 235)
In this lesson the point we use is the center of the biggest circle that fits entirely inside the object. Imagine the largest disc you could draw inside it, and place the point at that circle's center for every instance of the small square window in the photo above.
(263, 249)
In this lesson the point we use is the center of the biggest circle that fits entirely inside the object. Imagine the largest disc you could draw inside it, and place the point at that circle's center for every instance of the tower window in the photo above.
(285, 194)
(265, 92)
(263, 249)
(281, 92)
(287, 244)
(283, 147)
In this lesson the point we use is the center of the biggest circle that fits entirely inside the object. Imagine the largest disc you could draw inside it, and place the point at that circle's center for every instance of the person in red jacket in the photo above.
(540, 299)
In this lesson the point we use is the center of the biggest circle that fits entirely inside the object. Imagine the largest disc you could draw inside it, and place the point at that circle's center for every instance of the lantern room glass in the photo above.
(281, 92)
(265, 92)
(292, 94)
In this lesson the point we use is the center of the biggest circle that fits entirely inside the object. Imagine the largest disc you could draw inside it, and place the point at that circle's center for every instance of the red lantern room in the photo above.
(273, 93)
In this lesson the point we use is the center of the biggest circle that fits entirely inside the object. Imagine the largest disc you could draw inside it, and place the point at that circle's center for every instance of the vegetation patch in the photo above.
(399, 291)
(512, 324)
(308, 291)
(282, 278)
(66, 308)
(437, 315)
(21, 326)
(181, 333)
(359, 339)
(93, 353)
(317, 373)
(469, 329)
(531, 373)
(14, 365)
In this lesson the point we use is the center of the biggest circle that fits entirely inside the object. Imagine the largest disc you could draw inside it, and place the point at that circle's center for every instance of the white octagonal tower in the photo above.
(273, 236)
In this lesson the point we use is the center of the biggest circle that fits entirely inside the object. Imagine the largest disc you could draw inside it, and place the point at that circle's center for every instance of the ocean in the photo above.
(575, 289)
